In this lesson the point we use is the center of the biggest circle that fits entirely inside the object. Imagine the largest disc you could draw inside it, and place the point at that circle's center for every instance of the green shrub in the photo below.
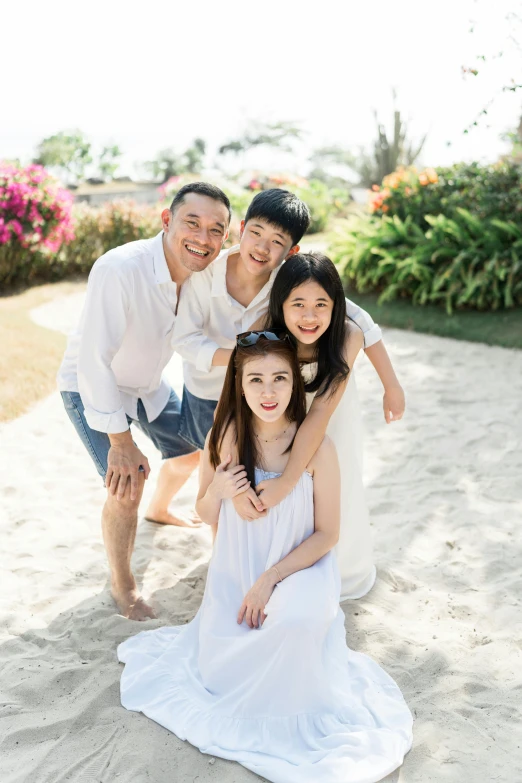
(459, 262)
(487, 191)
(451, 236)
(323, 203)
(98, 229)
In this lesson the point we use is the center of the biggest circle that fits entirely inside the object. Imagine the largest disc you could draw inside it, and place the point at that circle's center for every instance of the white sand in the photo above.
(445, 490)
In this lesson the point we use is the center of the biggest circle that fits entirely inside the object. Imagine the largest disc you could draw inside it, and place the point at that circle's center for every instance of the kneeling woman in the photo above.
(262, 675)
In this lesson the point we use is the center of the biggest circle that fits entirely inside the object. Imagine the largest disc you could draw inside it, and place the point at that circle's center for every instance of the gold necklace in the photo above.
(273, 439)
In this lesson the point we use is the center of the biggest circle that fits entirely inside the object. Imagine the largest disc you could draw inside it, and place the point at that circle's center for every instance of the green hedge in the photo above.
(96, 230)
(452, 237)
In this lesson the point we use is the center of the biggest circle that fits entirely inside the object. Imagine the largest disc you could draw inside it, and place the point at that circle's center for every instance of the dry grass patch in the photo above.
(30, 354)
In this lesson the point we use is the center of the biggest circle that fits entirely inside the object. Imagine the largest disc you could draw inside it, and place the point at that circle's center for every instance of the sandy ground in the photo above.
(445, 491)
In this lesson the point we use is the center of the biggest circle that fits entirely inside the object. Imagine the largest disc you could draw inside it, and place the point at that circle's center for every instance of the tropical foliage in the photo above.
(451, 236)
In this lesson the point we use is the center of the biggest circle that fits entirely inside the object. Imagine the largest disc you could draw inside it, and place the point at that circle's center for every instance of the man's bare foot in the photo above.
(131, 605)
(164, 518)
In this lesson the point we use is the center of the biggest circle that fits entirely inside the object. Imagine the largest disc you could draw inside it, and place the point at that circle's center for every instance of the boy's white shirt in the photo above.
(208, 318)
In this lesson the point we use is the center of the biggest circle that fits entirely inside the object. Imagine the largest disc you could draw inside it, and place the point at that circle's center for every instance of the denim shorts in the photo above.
(197, 418)
(164, 431)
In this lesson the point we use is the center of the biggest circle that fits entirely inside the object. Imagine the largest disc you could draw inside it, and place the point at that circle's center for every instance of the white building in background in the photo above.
(122, 188)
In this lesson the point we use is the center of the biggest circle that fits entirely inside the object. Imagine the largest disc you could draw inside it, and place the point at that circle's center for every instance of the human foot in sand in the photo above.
(173, 475)
(162, 517)
(131, 605)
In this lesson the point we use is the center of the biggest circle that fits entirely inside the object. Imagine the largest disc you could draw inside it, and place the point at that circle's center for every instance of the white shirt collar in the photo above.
(219, 276)
(219, 271)
(161, 269)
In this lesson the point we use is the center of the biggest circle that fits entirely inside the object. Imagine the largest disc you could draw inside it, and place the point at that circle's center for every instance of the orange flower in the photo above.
(423, 179)
(432, 175)
(376, 188)
(385, 208)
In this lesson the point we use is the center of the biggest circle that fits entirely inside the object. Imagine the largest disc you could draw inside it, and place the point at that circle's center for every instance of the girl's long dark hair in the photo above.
(232, 409)
(332, 367)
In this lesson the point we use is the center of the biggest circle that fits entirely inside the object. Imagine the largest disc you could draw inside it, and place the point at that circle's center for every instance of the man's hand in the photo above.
(248, 505)
(393, 404)
(123, 463)
(272, 491)
(252, 609)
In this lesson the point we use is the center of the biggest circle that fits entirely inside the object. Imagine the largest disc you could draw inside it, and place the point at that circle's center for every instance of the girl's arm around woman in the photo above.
(311, 432)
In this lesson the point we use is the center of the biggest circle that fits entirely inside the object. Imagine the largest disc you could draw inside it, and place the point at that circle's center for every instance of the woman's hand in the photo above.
(393, 403)
(227, 483)
(253, 607)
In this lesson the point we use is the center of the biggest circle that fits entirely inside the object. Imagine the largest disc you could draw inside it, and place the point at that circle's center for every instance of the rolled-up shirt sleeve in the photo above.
(371, 331)
(189, 339)
(105, 320)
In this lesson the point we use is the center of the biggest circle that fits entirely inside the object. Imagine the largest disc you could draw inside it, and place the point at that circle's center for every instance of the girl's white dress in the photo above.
(354, 550)
(289, 701)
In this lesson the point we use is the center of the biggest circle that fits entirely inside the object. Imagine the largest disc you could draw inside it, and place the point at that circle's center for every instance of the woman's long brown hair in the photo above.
(232, 408)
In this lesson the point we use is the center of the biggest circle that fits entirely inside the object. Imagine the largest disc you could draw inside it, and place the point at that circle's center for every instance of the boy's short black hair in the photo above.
(202, 189)
(282, 209)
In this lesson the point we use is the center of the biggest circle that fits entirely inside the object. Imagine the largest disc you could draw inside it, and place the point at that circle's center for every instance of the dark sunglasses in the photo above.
(245, 339)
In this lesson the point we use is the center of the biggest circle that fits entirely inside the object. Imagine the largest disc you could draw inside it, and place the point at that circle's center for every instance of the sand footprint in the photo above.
(398, 584)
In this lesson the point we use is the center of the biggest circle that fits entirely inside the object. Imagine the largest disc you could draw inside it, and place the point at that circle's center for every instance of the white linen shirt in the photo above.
(124, 339)
(209, 318)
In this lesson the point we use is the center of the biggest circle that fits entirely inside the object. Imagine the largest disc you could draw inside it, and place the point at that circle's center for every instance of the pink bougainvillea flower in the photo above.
(36, 212)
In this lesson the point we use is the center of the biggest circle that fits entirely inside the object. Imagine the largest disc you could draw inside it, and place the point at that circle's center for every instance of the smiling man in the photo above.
(111, 374)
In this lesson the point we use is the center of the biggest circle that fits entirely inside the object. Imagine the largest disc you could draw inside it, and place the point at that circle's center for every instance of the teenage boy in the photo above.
(231, 296)
(111, 374)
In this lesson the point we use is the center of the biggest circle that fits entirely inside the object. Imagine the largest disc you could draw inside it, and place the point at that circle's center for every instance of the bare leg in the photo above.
(173, 474)
(119, 522)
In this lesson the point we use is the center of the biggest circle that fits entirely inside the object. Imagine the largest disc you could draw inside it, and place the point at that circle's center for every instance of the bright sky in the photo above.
(156, 74)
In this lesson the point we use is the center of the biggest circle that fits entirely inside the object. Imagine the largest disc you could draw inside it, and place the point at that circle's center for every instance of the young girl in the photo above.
(307, 299)
(262, 675)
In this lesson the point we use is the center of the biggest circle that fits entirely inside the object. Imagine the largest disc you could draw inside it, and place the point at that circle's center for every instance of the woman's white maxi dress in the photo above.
(354, 550)
(289, 701)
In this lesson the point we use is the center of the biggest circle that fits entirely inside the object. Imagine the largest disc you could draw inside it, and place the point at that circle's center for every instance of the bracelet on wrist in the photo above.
(279, 578)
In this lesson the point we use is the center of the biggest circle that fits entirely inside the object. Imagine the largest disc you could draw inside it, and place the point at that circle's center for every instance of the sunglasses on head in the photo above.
(245, 339)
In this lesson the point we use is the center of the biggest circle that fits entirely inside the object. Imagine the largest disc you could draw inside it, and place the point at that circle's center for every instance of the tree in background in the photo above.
(108, 161)
(194, 156)
(370, 166)
(275, 135)
(168, 163)
(67, 153)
